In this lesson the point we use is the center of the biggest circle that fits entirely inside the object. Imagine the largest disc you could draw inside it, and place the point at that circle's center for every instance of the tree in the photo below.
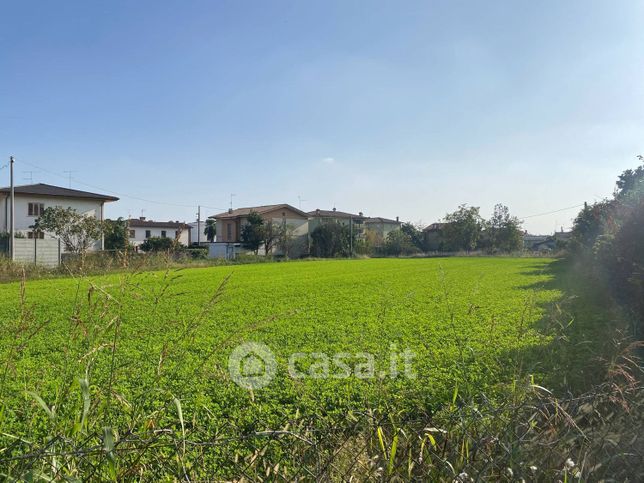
(331, 240)
(116, 234)
(399, 243)
(288, 242)
(158, 244)
(252, 233)
(415, 235)
(503, 231)
(210, 231)
(590, 223)
(77, 232)
(463, 228)
(631, 181)
(271, 234)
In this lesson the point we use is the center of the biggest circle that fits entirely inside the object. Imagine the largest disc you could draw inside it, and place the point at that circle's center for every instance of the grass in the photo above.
(131, 353)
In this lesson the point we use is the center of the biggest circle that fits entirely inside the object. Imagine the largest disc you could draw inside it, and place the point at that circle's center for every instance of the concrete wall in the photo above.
(41, 252)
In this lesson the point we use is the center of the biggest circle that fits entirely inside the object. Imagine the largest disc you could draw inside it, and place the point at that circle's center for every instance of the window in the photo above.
(36, 234)
(148, 234)
(132, 233)
(229, 231)
(163, 234)
(35, 209)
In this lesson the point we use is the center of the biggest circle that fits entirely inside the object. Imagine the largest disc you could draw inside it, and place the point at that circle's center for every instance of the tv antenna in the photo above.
(69, 176)
(299, 200)
(29, 176)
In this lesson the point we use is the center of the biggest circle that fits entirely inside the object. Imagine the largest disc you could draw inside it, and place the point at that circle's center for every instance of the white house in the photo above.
(139, 229)
(32, 200)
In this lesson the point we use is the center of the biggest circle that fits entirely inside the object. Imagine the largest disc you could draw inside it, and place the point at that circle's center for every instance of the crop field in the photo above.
(138, 342)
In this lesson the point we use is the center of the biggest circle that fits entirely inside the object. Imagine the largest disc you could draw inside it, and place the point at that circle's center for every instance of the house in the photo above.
(543, 243)
(433, 235)
(140, 229)
(230, 224)
(355, 222)
(31, 201)
(381, 227)
(531, 242)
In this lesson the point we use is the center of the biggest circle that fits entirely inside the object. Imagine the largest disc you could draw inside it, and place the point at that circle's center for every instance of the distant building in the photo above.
(140, 229)
(433, 235)
(231, 222)
(32, 200)
(530, 242)
(354, 221)
(542, 243)
(381, 226)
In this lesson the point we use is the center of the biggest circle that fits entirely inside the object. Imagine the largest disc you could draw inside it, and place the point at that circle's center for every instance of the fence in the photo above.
(589, 437)
(34, 251)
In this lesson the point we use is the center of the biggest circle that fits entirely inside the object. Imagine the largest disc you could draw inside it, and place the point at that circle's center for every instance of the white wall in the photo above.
(139, 234)
(23, 221)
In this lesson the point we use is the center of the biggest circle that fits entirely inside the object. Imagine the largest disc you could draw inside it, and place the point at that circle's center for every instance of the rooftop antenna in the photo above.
(69, 176)
(300, 199)
(231, 200)
(29, 176)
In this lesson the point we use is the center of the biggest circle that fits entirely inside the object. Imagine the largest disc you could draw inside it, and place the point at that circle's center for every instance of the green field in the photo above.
(147, 338)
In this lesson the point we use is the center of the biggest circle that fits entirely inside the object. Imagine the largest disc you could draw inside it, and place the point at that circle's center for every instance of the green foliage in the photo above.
(415, 234)
(608, 237)
(77, 231)
(115, 233)
(590, 223)
(252, 233)
(210, 231)
(158, 244)
(330, 240)
(126, 375)
(503, 231)
(463, 229)
(399, 243)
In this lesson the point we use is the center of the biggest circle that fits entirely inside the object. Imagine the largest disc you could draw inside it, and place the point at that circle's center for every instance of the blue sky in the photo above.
(394, 108)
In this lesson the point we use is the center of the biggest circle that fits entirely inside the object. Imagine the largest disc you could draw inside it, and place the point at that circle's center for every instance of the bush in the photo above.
(158, 244)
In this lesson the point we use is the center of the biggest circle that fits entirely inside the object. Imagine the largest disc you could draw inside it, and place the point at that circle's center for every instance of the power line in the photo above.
(121, 195)
(551, 212)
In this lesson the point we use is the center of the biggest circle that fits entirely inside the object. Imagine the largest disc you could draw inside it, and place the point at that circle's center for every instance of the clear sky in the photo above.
(394, 108)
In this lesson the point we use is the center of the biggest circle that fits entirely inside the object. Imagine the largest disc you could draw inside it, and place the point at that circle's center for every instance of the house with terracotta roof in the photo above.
(32, 200)
(230, 224)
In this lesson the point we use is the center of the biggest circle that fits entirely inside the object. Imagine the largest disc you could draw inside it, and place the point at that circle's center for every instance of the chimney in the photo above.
(334, 208)
(360, 213)
(230, 210)
(142, 218)
(397, 220)
(317, 211)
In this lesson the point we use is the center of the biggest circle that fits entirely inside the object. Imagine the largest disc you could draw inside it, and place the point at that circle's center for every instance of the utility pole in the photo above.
(351, 237)
(199, 225)
(12, 210)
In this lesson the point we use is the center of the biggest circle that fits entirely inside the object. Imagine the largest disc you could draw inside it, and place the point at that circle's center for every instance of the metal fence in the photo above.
(591, 437)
